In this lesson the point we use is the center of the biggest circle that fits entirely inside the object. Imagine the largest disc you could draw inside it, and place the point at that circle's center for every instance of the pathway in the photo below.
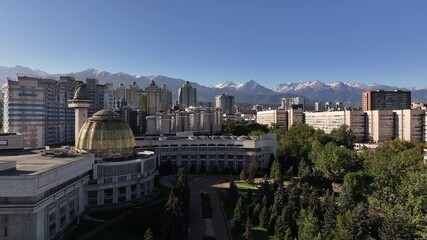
(200, 228)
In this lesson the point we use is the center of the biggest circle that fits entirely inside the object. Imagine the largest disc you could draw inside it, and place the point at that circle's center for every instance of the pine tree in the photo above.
(329, 216)
(243, 175)
(358, 226)
(253, 169)
(280, 228)
(397, 225)
(276, 171)
(148, 235)
(309, 227)
(255, 214)
(239, 214)
(233, 195)
(264, 217)
(248, 230)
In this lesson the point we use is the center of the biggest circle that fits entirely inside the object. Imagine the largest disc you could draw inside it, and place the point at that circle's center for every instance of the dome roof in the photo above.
(107, 135)
(81, 92)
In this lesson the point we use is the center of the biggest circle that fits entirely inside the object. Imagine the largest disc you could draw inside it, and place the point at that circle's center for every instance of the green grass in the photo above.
(257, 233)
(245, 185)
(84, 227)
(134, 225)
(108, 215)
(206, 205)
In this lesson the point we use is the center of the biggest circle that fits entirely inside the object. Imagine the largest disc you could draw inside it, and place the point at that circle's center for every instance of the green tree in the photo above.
(280, 228)
(356, 188)
(359, 226)
(243, 175)
(255, 214)
(264, 216)
(253, 169)
(309, 226)
(334, 162)
(304, 169)
(343, 136)
(276, 171)
(233, 194)
(391, 164)
(397, 225)
(248, 230)
(329, 216)
(239, 214)
(173, 226)
(341, 228)
(148, 235)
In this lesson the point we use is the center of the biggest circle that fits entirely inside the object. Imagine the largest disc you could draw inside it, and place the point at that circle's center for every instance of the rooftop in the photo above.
(32, 162)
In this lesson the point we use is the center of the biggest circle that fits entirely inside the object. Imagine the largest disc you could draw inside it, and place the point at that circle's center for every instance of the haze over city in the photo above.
(216, 41)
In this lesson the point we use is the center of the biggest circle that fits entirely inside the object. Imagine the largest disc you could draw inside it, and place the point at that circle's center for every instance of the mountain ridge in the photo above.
(249, 92)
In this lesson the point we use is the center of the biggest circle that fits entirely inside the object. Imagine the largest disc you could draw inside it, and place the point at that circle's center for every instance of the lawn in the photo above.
(245, 185)
(206, 205)
(84, 227)
(134, 225)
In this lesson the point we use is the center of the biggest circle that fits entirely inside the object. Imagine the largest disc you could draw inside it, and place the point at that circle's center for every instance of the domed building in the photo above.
(106, 135)
(120, 173)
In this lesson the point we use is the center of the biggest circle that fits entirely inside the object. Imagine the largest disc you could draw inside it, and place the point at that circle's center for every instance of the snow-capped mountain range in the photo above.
(249, 92)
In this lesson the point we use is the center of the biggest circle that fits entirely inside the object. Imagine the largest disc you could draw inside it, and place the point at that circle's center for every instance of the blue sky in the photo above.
(208, 42)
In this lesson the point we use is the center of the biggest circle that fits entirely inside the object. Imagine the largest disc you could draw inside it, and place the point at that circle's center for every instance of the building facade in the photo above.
(226, 103)
(37, 108)
(214, 153)
(187, 96)
(386, 100)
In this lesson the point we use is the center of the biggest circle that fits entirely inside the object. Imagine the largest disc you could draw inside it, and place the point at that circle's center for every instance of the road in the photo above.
(199, 227)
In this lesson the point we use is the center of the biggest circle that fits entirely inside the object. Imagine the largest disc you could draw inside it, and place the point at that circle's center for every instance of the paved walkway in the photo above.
(200, 228)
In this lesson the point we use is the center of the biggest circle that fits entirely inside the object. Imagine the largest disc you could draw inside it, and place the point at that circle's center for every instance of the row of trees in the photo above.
(177, 209)
(383, 193)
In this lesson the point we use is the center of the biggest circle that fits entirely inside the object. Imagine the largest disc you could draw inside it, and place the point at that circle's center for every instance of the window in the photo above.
(3, 143)
(108, 201)
(122, 179)
(122, 199)
(93, 194)
(122, 190)
(108, 192)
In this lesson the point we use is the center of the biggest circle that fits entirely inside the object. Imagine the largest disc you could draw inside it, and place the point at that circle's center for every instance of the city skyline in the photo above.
(271, 43)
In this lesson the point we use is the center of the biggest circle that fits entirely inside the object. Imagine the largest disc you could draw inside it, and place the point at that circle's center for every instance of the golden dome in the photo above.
(107, 135)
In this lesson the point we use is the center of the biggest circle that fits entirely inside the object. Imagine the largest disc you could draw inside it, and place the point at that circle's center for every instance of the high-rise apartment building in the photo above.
(134, 96)
(386, 100)
(37, 108)
(328, 121)
(293, 102)
(153, 98)
(225, 102)
(409, 124)
(120, 92)
(165, 98)
(187, 96)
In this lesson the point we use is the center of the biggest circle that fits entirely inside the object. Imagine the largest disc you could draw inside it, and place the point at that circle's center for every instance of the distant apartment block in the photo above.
(328, 121)
(293, 103)
(409, 124)
(225, 102)
(199, 120)
(386, 100)
(277, 117)
(187, 96)
(37, 108)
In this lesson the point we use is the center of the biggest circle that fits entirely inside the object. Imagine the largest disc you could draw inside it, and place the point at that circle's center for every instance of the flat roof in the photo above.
(32, 163)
